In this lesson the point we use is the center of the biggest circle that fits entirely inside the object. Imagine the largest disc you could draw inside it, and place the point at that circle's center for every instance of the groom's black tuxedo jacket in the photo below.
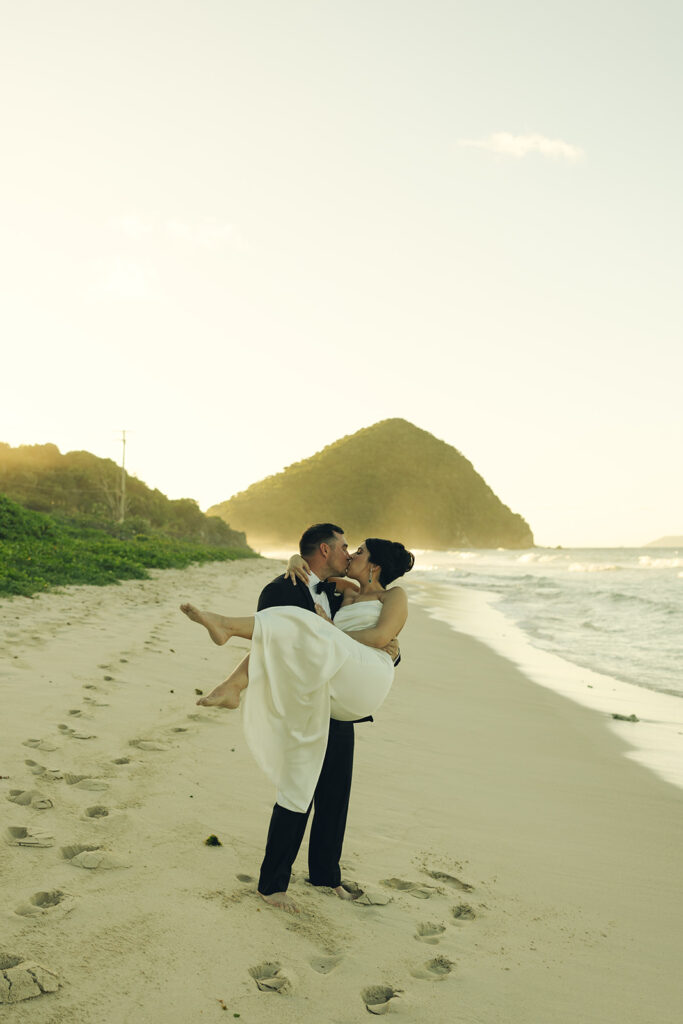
(282, 592)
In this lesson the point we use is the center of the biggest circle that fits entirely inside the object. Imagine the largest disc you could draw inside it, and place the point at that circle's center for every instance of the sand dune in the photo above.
(513, 866)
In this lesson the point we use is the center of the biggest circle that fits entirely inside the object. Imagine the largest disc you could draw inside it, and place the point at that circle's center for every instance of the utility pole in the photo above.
(123, 478)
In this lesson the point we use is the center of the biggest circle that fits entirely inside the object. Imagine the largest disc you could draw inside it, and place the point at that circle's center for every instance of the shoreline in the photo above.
(474, 788)
(656, 738)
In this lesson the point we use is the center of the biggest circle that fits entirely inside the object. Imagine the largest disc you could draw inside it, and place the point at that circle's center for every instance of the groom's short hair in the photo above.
(314, 536)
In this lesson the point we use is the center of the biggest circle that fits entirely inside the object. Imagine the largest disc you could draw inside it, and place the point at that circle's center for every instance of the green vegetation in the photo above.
(80, 485)
(59, 524)
(389, 480)
(39, 551)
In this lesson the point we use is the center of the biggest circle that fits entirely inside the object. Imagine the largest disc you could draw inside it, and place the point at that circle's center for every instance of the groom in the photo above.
(326, 551)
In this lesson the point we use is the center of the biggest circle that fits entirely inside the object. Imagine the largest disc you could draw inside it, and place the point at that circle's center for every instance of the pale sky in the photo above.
(243, 230)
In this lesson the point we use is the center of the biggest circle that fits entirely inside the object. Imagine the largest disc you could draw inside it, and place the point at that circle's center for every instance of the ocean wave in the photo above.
(619, 597)
(538, 558)
(579, 605)
(594, 567)
(645, 562)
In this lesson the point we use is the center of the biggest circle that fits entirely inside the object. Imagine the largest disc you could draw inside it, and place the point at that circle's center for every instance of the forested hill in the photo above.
(81, 485)
(391, 479)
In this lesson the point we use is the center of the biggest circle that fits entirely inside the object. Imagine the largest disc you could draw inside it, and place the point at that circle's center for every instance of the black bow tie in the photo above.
(323, 587)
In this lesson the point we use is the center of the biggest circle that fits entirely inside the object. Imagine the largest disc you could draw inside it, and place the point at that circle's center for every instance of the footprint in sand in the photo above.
(74, 735)
(367, 896)
(29, 798)
(39, 769)
(420, 892)
(20, 836)
(325, 964)
(245, 878)
(121, 760)
(271, 977)
(149, 744)
(463, 912)
(97, 811)
(85, 782)
(41, 745)
(91, 857)
(441, 876)
(429, 931)
(437, 969)
(24, 979)
(378, 997)
(43, 902)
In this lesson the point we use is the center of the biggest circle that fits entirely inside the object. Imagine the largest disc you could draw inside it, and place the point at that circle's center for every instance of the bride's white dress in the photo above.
(302, 672)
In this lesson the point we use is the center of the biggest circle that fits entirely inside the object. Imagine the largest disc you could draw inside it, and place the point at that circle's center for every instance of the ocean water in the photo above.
(602, 626)
(615, 611)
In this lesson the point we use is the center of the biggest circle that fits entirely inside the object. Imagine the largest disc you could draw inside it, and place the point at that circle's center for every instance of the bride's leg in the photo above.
(220, 627)
(227, 694)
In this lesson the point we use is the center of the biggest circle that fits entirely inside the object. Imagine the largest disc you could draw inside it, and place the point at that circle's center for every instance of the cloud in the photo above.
(519, 146)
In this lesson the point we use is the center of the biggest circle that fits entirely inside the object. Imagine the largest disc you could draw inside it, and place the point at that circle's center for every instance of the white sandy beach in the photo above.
(471, 776)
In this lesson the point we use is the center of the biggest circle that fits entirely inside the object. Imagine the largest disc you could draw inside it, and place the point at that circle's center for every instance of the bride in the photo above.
(304, 669)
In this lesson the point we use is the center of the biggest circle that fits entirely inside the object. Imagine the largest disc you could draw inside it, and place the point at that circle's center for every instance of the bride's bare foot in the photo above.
(226, 695)
(281, 900)
(217, 625)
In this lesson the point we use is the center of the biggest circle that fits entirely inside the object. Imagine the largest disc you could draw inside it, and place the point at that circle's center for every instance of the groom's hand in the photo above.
(392, 649)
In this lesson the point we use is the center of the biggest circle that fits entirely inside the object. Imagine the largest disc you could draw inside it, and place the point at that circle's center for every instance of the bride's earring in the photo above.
(370, 577)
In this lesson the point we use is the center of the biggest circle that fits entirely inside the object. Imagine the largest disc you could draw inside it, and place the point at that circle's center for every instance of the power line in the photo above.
(123, 478)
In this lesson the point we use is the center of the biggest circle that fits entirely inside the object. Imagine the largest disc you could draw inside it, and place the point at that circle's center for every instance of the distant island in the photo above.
(666, 542)
(391, 479)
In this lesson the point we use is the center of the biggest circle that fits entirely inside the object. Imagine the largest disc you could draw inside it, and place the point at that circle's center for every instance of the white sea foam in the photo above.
(593, 567)
(646, 562)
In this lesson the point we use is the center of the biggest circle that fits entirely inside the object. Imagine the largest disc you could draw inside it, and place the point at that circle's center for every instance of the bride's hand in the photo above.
(297, 568)
(392, 649)
(319, 610)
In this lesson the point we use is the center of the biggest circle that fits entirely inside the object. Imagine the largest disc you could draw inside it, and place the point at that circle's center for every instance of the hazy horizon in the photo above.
(241, 232)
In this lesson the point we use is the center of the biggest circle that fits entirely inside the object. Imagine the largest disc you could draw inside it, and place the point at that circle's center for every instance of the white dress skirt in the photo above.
(303, 671)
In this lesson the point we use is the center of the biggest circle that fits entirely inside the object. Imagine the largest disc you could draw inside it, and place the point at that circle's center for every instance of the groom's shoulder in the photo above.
(281, 591)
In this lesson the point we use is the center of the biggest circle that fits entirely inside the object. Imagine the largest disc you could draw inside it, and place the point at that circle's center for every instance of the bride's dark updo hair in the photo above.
(391, 557)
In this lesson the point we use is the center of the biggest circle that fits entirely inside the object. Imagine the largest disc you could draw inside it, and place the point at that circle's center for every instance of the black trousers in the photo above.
(331, 805)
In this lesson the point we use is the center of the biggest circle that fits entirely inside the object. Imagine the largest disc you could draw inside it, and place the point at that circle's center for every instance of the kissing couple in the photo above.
(322, 659)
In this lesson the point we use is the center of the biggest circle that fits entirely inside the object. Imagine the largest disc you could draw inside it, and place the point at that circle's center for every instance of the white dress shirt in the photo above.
(321, 598)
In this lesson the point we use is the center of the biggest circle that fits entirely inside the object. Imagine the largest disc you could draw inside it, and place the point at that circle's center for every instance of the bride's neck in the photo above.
(371, 588)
